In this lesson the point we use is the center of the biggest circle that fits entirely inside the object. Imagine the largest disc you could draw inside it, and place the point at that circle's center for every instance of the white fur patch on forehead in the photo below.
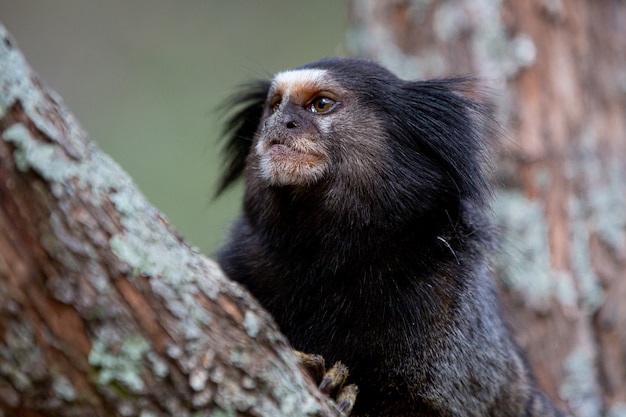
(297, 80)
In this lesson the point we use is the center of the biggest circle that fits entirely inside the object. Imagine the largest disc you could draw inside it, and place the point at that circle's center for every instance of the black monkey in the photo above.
(364, 232)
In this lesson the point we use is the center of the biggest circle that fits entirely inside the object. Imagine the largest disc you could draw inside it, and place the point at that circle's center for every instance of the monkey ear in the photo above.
(456, 124)
(240, 128)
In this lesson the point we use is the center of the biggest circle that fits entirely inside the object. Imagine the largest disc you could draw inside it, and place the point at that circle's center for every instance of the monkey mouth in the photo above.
(281, 150)
(291, 161)
(280, 146)
(298, 148)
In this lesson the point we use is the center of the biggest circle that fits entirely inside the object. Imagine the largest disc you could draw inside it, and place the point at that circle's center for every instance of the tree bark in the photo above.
(104, 309)
(556, 70)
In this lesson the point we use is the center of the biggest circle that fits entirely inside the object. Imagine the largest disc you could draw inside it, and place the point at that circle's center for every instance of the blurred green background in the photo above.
(146, 79)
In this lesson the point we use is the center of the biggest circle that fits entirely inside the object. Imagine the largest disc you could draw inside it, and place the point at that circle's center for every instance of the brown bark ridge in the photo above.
(104, 309)
(557, 72)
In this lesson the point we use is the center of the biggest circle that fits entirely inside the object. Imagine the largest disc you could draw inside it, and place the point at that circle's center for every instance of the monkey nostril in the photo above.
(291, 125)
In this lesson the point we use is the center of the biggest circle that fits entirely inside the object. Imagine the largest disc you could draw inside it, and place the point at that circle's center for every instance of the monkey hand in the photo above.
(330, 381)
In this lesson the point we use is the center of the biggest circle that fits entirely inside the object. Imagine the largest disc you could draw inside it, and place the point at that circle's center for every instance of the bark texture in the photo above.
(557, 73)
(104, 309)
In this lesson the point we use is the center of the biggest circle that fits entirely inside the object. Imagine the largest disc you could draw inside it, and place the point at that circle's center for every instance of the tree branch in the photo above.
(104, 309)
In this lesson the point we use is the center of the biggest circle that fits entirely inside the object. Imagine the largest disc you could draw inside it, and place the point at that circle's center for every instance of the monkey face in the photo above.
(343, 130)
(292, 145)
(312, 130)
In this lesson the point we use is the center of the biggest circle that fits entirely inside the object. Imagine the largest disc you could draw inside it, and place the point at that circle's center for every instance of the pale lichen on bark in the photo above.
(523, 263)
(164, 332)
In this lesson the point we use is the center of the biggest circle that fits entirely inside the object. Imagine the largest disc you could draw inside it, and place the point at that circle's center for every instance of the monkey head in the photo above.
(346, 128)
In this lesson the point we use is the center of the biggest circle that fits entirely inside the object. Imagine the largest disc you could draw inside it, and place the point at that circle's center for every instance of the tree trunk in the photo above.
(556, 70)
(104, 309)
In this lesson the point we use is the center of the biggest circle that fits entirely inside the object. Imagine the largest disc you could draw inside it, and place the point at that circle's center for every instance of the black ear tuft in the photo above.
(240, 128)
(455, 127)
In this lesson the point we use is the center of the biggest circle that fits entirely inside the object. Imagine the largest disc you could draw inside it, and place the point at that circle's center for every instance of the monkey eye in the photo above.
(275, 104)
(322, 104)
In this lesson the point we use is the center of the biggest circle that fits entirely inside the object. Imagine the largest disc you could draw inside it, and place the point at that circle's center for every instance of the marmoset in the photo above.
(365, 233)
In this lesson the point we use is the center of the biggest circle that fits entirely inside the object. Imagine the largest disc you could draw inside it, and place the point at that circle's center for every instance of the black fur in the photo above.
(240, 129)
(387, 271)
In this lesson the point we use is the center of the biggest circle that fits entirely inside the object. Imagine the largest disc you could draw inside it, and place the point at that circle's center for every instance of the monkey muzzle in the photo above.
(287, 158)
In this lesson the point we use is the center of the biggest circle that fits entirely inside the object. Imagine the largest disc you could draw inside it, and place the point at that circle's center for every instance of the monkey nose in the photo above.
(290, 121)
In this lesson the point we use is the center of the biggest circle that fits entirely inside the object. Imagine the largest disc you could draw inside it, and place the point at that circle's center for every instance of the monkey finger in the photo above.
(334, 378)
(346, 398)
(314, 364)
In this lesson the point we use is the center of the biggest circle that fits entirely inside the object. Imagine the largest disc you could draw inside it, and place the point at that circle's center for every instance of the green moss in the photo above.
(159, 366)
(217, 412)
(124, 366)
(21, 359)
(617, 410)
(589, 288)
(579, 387)
(63, 388)
(251, 323)
(607, 199)
(523, 263)
(29, 154)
